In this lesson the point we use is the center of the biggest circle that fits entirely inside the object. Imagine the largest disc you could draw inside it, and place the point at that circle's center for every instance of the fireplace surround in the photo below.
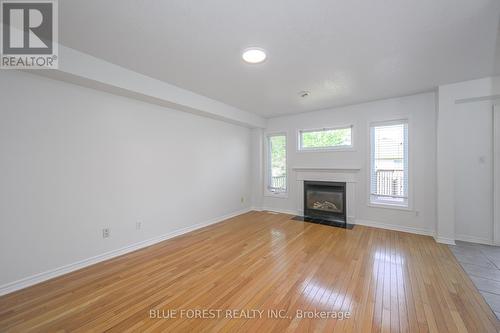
(325, 202)
(333, 174)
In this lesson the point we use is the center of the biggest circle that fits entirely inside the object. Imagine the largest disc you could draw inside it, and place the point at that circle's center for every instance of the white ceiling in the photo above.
(342, 51)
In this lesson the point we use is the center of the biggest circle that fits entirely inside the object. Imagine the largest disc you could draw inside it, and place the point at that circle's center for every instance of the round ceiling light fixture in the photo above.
(254, 55)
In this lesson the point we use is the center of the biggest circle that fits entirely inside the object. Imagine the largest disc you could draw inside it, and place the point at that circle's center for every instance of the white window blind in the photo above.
(389, 163)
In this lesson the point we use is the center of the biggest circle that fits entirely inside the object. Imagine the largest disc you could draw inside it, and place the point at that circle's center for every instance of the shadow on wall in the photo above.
(496, 63)
(495, 88)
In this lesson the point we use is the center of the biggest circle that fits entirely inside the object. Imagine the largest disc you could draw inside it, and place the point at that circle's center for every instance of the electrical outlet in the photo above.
(138, 225)
(106, 232)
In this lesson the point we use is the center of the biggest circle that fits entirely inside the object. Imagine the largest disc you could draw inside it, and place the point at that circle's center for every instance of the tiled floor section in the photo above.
(482, 264)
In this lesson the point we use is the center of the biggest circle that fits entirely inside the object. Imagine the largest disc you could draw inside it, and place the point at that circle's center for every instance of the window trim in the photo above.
(325, 149)
(379, 204)
(267, 159)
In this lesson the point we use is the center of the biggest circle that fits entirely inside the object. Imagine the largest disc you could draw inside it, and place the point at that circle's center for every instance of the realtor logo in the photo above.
(29, 34)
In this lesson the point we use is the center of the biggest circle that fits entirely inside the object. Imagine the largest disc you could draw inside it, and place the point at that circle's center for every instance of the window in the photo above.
(389, 163)
(327, 138)
(277, 181)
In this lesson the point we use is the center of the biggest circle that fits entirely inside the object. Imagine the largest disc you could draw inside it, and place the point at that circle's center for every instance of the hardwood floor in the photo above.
(388, 281)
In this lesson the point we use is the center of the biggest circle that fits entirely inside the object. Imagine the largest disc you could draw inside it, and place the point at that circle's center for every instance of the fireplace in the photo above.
(325, 202)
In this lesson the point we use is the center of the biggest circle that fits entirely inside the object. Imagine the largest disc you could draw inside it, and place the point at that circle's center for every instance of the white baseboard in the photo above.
(368, 223)
(444, 240)
(412, 230)
(473, 239)
(283, 211)
(44, 276)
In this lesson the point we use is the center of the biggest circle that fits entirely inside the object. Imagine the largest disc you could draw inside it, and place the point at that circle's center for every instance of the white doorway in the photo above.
(496, 172)
(474, 172)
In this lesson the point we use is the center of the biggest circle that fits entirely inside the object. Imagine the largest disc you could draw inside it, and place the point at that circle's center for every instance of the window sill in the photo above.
(389, 206)
(280, 195)
(326, 150)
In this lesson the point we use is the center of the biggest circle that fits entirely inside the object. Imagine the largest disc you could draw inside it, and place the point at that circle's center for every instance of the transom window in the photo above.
(389, 163)
(327, 138)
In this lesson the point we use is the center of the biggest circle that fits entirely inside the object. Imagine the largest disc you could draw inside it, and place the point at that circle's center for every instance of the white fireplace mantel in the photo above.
(328, 169)
(343, 174)
(348, 175)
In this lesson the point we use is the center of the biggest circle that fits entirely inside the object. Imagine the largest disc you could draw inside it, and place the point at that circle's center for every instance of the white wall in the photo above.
(473, 160)
(257, 167)
(420, 110)
(462, 161)
(496, 172)
(75, 160)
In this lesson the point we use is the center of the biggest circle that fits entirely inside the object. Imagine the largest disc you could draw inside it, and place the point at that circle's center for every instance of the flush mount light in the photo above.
(254, 55)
